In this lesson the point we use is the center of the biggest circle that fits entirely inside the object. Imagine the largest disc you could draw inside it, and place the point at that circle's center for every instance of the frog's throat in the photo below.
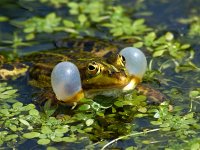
(75, 98)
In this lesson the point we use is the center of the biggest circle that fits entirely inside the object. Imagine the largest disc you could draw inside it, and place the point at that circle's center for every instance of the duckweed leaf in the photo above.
(103, 120)
(49, 109)
(31, 135)
(82, 18)
(89, 122)
(84, 107)
(69, 139)
(9, 92)
(68, 23)
(46, 130)
(51, 148)
(29, 107)
(43, 141)
(62, 130)
(34, 112)
(159, 53)
(11, 137)
(17, 105)
(57, 139)
(24, 122)
(3, 18)
(4, 112)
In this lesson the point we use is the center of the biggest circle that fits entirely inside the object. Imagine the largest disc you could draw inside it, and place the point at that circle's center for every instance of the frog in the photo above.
(93, 68)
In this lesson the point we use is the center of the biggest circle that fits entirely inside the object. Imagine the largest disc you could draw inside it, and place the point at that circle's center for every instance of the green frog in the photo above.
(83, 68)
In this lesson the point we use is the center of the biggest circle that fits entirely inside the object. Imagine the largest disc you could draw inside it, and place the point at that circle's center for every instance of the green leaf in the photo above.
(69, 139)
(4, 111)
(82, 18)
(62, 130)
(29, 107)
(142, 109)
(195, 146)
(164, 125)
(46, 130)
(3, 19)
(156, 122)
(34, 112)
(48, 109)
(17, 105)
(138, 44)
(89, 122)
(52, 148)
(11, 137)
(194, 94)
(24, 122)
(158, 53)
(185, 46)
(31, 135)
(130, 148)
(119, 103)
(169, 36)
(13, 127)
(9, 92)
(84, 107)
(43, 141)
(30, 36)
(57, 139)
(68, 23)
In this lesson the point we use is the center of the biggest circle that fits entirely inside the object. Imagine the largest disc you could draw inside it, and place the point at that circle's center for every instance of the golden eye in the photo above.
(94, 68)
(121, 60)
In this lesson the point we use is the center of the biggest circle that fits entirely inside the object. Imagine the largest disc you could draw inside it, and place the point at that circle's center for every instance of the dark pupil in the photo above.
(123, 59)
(90, 67)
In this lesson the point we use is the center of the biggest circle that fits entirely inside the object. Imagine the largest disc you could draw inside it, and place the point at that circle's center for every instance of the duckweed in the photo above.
(96, 123)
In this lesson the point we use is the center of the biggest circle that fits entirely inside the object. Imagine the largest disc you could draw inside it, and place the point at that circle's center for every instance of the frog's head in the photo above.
(121, 72)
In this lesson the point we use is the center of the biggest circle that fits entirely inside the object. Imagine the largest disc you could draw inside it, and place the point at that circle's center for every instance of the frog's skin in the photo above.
(101, 68)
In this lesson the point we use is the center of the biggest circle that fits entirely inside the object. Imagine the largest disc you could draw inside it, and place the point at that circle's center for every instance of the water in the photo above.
(164, 18)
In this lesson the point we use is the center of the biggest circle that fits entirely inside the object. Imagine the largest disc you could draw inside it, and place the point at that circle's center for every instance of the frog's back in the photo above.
(79, 52)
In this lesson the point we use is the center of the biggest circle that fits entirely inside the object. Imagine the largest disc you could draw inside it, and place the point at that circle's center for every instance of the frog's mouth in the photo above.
(115, 90)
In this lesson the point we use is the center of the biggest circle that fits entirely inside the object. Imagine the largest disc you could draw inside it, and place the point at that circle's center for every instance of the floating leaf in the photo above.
(43, 141)
(46, 130)
(82, 18)
(34, 112)
(51, 148)
(69, 139)
(89, 122)
(84, 107)
(11, 137)
(24, 122)
(31, 135)
(17, 105)
(62, 130)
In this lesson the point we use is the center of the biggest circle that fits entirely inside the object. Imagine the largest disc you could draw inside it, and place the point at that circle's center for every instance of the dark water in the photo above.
(165, 14)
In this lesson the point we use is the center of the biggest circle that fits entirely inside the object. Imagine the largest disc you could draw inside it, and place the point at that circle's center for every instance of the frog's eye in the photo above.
(94, 68)
(136, 62)
(66, 81)
(121, 60)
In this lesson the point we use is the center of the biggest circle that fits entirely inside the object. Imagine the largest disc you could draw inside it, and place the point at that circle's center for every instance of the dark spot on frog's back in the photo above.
(66, 44)
(20, 65)
(88, 46)
(108, 55)
(7, 67)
